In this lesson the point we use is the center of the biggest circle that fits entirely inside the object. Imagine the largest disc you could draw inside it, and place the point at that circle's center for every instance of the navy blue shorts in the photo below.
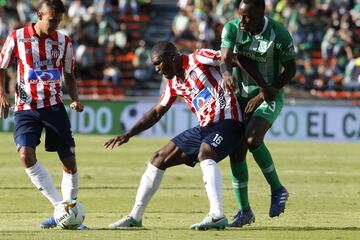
(223, 137)
(30, 123)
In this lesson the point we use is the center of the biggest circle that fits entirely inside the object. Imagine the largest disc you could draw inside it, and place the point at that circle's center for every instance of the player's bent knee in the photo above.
(159, 160)
(69, 165)
(253, 142)
(27, 157)
(206, 152)
(66, 153)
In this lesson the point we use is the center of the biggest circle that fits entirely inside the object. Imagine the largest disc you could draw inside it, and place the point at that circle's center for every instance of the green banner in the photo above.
(98, 117)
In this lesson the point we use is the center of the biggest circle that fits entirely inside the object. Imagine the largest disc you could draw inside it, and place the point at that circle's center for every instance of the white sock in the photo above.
(42, 181)
(149, 184)
(212, 180)
(70, 186)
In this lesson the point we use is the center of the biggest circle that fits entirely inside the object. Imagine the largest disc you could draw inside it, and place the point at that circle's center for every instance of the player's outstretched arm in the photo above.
(4, 102)
(146, 121)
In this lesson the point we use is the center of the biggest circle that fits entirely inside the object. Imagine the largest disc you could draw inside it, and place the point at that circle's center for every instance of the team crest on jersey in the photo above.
(263, 46)
(55, 53)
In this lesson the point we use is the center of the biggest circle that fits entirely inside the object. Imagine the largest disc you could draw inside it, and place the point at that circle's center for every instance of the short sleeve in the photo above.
(168, 96)
(69, 58)
(208, 57)
(228, 36)
(7, 51)
(285, 46)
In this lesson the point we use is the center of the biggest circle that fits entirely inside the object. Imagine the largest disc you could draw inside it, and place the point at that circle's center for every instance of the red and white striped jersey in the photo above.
(202, 87)
(40, 65)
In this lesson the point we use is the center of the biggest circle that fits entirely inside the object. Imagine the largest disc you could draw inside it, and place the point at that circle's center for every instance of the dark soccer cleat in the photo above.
(242, 218)
(278, 201)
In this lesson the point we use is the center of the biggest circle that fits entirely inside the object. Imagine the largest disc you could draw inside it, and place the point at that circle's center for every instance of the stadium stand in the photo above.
(112, 39)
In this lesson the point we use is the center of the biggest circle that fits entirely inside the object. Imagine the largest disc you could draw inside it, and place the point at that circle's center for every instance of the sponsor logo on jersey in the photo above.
(42, 63)
(55, 43)
(21, 88)
(253, 56)
(221, 99)
(44, 76)
(202, 99)
(25, 40)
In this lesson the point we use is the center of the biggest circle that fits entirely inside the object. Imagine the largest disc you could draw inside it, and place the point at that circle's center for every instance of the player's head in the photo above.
(165, 58)
(50, 14)
(252, 15)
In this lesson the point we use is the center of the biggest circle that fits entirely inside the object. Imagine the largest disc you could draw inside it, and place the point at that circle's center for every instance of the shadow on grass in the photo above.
(292, 229)
(297, 229)
(285, 229)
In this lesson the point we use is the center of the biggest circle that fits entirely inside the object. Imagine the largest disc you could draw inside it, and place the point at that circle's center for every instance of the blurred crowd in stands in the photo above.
(108, 36)
(326, 35)
(101, 33)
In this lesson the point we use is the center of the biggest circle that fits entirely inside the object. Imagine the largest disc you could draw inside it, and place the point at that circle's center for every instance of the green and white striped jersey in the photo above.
(268, 49)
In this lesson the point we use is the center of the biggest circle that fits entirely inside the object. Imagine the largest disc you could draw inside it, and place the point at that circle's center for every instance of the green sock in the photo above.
(263, 158)
(239, 179)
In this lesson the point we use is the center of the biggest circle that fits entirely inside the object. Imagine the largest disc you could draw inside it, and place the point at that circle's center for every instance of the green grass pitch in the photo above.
(323, 180)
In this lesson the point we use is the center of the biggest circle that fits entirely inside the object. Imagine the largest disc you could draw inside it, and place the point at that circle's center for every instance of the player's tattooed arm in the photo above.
(146, 121)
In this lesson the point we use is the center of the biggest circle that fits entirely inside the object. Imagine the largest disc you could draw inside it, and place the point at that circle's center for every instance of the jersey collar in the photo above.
(184, 66)
(32, 32)
(264, 28)
(185, 62)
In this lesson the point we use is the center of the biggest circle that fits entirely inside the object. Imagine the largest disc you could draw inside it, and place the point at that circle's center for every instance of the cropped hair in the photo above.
(57, 5)
(258, 3)
(164, 48)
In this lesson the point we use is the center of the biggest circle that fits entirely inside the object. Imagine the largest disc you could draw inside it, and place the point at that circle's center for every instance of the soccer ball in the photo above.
(69, 214)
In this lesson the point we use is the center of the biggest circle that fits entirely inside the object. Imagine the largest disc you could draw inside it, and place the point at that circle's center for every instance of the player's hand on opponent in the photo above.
(270, 93)
(77, 106)
(4, 106)
(252, 105)
(230, 83)
(117, 141)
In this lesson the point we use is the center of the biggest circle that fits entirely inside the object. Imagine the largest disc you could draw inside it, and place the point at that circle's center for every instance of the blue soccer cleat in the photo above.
(51, 223)
(243, 218)
(278, 201)
(82, 227)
